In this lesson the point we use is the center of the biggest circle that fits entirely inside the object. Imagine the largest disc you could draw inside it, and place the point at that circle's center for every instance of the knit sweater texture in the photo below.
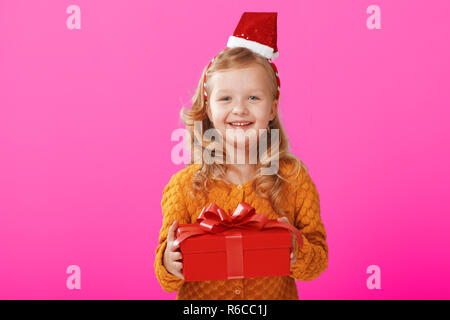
(300, 199)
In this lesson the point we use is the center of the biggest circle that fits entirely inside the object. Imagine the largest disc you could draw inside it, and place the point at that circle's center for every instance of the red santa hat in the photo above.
(256, 31)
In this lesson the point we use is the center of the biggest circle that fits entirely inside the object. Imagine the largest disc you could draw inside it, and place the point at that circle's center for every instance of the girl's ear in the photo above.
(208, 112)
(274, 110)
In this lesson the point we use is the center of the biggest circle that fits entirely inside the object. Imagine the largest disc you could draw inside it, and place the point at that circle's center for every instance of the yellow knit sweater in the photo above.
(302, 203)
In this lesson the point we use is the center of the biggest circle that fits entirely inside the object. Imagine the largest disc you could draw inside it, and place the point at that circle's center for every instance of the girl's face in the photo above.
(241, 99)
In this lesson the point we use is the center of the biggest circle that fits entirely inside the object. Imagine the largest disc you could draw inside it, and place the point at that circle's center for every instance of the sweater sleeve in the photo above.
(312, 259)
(173, 208)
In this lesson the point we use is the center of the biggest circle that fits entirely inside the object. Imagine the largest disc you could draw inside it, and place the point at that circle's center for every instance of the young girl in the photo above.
(239, 92)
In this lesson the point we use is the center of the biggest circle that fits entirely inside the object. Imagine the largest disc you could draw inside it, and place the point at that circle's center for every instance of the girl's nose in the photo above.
(239, 107)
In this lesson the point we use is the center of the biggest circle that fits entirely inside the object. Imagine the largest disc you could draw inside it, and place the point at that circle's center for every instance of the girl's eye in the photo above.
(228, 98)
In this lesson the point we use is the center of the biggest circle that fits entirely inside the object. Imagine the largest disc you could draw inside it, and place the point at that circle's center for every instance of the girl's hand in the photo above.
(293, 256)
(172, 254)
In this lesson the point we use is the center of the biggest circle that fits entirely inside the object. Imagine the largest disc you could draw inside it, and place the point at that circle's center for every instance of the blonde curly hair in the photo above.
(265, 186)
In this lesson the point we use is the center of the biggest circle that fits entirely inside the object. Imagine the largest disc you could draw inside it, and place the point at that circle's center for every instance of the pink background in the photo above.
(86, 118)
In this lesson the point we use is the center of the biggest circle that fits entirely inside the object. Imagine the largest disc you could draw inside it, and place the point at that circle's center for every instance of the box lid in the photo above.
(251, 240)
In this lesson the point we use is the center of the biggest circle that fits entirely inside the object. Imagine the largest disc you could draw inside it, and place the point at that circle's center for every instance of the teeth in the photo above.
(240, 123)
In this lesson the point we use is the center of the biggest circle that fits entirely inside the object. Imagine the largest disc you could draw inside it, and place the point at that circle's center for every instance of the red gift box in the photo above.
(243, 245)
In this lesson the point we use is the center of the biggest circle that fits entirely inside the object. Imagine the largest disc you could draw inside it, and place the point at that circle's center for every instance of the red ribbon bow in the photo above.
(213, 219)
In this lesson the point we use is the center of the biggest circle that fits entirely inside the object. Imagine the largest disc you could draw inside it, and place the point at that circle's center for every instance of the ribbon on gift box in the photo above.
(213, 219)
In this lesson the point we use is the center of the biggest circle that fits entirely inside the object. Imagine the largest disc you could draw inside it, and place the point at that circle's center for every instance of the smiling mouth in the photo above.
(240, 124)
